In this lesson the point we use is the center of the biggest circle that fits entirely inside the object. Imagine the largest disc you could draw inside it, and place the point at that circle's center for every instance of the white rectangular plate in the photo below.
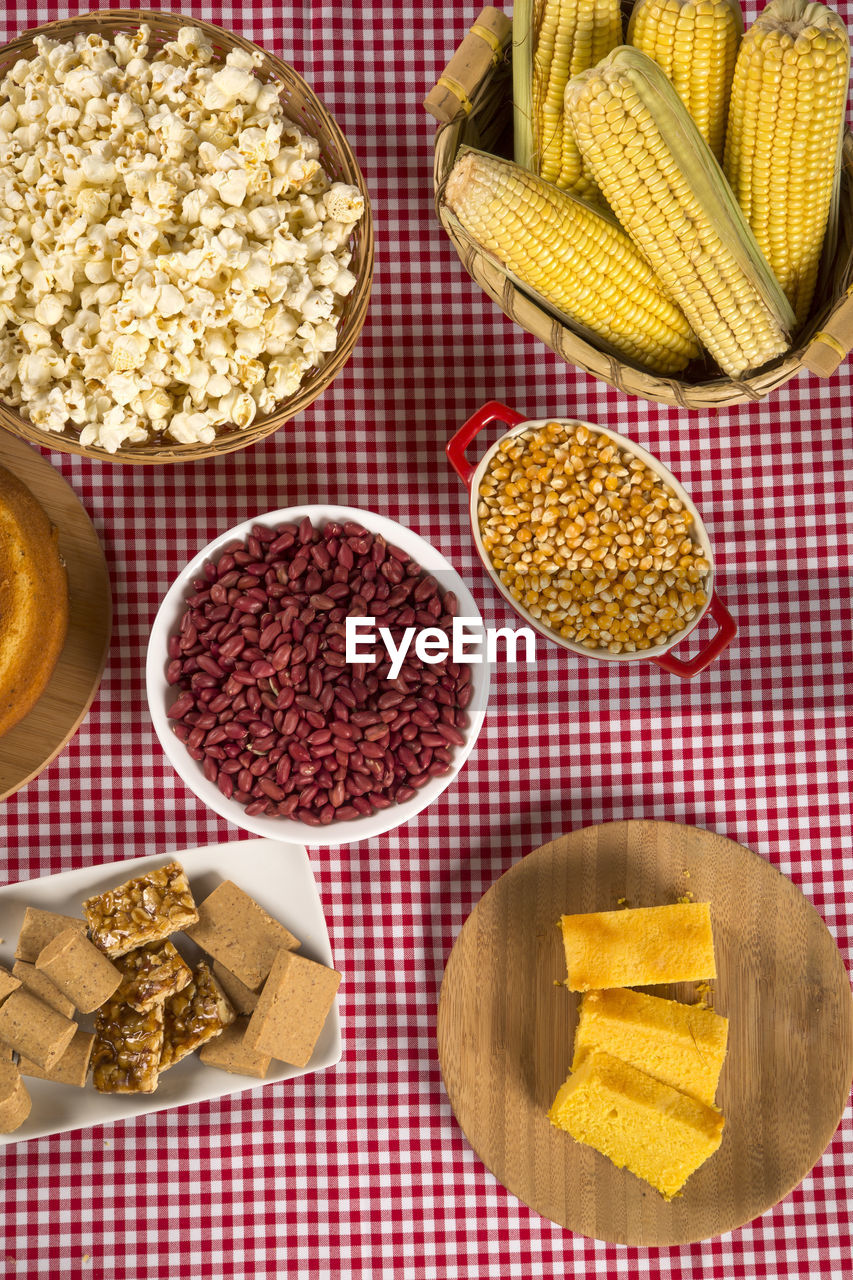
(275, 874)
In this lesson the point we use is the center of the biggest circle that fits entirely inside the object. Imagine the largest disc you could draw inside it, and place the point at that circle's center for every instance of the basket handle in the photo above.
(722, 638)
(457, 86)
(493, 411)
(833, 344)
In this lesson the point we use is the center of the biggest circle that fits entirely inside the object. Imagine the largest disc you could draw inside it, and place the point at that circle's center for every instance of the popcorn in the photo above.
(172, 256)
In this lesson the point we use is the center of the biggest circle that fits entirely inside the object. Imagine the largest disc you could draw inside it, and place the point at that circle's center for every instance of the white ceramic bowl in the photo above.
(471, 474)
(161, 695)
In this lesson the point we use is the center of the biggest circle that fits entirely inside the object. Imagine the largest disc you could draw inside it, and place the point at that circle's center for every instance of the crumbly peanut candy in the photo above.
(14, 1098)
(8, 983)
(79, 969)
(39, 928)
(242, 998)
(151, 975)
(33, 1029)
(293, 1008)
(141, 911)
(40, 985)
(72, 1068)
(126, 1056)
(194, 1016)
(230, 1052)
(238, 932)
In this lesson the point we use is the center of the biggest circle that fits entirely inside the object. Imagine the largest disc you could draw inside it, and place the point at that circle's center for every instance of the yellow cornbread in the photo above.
(681, 1045)
(639, 946)
(639, 1123)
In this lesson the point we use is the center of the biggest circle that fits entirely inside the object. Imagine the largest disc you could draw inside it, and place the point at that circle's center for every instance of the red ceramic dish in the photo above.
(662, 654)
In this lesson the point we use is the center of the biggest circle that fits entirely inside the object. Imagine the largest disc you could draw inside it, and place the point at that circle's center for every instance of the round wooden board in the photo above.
(31, 745)
(506, 1024)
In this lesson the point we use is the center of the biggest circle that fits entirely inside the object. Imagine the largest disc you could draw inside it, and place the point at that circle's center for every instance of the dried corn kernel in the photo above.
(607, 559)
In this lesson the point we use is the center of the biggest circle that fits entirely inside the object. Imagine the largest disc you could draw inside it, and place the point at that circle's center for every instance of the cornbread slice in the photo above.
(238, 932)
(141, 911)
(642, 1125)
(126, 1054)
(639, 946)
(151, 975)
(193, 1016)
(681, 1045)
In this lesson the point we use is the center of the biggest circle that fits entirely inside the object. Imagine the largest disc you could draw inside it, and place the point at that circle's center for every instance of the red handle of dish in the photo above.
(493, 411)
(726, 632)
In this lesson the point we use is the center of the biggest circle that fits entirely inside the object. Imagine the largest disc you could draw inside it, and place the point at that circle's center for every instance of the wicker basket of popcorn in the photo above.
(473, 102)
(186, 239)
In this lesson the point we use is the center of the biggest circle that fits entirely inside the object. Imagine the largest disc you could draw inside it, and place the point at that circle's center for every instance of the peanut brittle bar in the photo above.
(141, 911)
(128, 1044)
(194, 1016)
(150, 975)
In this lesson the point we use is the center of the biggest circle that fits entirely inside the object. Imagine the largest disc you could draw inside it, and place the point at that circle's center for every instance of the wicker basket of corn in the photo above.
(658, 333)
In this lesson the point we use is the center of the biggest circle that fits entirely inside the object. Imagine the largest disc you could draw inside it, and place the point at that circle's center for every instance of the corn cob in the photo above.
(785, 131)
(695, 43)
(669, 194)
(571, 256)
(553, 40)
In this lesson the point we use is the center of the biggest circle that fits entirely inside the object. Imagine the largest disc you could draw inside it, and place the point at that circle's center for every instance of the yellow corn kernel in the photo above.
(785, 126)
(662, 182)
(574, 258)
(552, 41)
(695, 43)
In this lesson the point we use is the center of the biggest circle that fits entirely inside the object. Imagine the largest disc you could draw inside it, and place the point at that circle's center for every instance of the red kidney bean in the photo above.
(408, 758)
(279, 658)
(451, 734)
(260, 659)
(181, 706)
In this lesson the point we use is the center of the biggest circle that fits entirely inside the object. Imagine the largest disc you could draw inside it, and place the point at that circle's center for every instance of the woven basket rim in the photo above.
(705, 393)
(316, 380)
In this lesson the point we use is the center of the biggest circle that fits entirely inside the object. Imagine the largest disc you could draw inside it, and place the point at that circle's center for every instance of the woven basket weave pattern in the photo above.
(489, 127)
(301, 106)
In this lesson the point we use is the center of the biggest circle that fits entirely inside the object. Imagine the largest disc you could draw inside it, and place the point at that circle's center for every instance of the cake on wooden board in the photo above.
(642, 1125)
(681, 1045)
(33, 600)
(638, 947)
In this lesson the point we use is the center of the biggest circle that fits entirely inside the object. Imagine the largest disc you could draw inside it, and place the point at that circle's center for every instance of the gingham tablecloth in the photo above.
(362, 1170)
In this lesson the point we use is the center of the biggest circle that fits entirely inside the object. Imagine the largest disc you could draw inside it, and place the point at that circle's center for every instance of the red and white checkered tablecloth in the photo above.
(362, 1170)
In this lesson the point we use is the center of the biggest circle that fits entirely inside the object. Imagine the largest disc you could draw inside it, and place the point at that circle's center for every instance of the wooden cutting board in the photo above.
(506, 1024)
(31, 745)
